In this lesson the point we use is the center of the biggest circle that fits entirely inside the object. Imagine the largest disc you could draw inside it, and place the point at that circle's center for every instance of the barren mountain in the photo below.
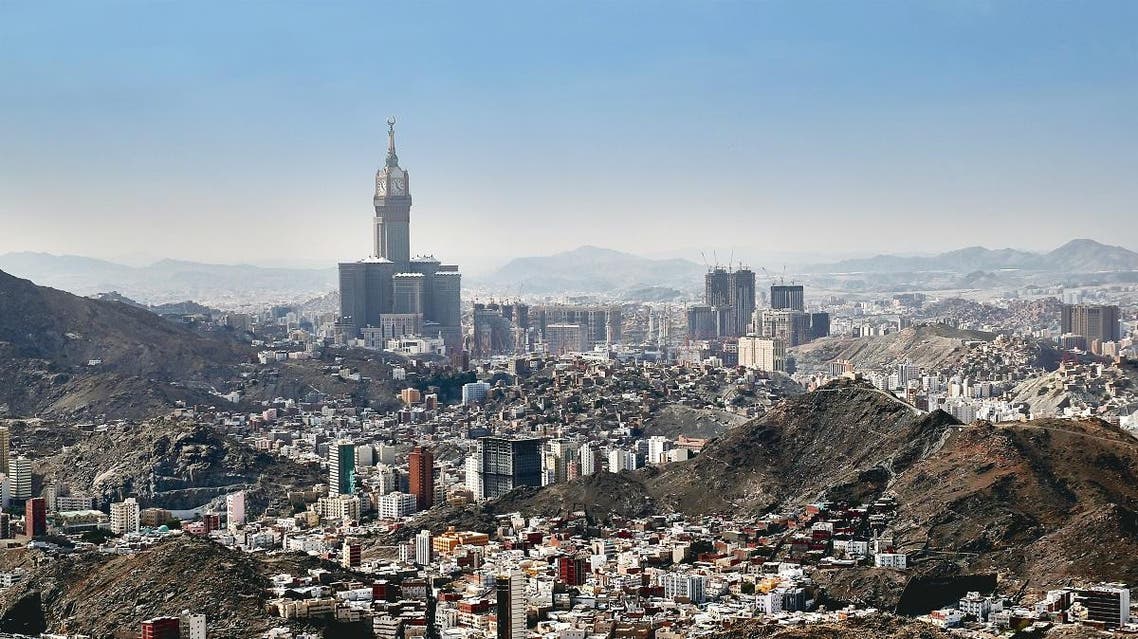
(62, 354)
(1045, 501)
(173, 464)
(930, 347)
(100, 595)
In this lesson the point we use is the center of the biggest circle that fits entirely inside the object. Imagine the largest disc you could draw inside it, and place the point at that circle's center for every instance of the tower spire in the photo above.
(392, 159)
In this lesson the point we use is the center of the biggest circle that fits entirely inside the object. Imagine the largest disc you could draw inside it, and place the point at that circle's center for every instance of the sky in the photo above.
(251, 131)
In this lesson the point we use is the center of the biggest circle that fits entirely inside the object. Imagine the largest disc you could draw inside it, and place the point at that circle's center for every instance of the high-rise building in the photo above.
(508, 464)
(742, 300)
(35, 517)
(588, 457)
(20, 477)
(510, 588)
(421, 468)
(342, 468)
(474, 392)
(717, 287)
(561, 339)
(620, 459)
(1108, 604)
(793, 327)
(125, 516)
(1093, 322)
(762, 353)
(5, 444)
(235, 508)
(787, 297)
(572, 570)
(390, 282)
(423, 548)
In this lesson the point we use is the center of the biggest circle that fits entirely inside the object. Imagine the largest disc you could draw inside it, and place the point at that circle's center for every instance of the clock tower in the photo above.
(392, 207)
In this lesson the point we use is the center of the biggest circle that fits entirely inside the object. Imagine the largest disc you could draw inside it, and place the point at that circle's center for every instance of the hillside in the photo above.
(1046, 501)
(97, 595)
(60, 353)
(173, 464)
(846, 439)
(880, 626)
(589, 269)
(929, 347)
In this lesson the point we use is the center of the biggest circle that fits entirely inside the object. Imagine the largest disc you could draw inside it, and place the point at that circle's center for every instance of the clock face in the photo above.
(380, 185)
(398, 186)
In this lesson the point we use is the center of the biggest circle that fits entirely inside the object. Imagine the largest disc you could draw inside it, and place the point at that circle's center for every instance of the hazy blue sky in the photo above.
(251, 131)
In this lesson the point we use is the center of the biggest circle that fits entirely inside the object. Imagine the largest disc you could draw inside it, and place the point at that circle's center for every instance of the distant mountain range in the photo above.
(590, 269)
(1076, 256)
(171, 280)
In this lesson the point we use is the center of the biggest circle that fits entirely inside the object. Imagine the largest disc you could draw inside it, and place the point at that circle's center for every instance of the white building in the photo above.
(684, 585)
(235, 508)
(891, 560)
(515, 581)
(621, 460)
(658, 446)
(124, 516)
(474, 474)
(21, 477)
(339, 508)
(193, 625)
(474, 392)
(396, 505)
(588, 458)
(423, 548)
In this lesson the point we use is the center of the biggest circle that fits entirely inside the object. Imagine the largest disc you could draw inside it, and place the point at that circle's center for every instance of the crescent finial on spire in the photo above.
(392, 159)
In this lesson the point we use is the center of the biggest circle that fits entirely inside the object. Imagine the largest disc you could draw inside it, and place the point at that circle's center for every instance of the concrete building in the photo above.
(342, 468)
(35, 517)
(235, 508)
(474, 393)
(507, 464)
(125, 516)
(787, 297)
(510, 590)
(766, 354)
(390, 282)
(421, 468)
(423, 548)
(1093, 322)
(20, 477)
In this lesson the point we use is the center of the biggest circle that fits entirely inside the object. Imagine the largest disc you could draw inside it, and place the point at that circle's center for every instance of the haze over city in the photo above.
(138, 131)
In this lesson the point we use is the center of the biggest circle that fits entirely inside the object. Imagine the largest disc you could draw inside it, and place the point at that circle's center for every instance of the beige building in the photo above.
(762, 353)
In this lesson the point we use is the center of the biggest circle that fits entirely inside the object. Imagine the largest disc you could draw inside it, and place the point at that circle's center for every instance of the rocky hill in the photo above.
(172, 464)
(1045, 501)
(847, 439)
(61, 354)
(1042, 502)
(880, 626)
(98, 595)
(930, 347)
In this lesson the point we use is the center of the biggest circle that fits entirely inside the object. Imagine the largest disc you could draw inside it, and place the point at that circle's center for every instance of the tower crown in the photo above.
(390, 179)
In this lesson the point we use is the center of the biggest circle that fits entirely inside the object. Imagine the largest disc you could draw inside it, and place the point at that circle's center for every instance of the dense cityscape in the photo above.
(865, 365)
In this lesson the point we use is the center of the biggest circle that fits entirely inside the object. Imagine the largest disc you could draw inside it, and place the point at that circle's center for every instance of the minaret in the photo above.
(392, 206)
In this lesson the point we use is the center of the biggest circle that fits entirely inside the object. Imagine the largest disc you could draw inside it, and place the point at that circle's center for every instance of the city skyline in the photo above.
(586, 127)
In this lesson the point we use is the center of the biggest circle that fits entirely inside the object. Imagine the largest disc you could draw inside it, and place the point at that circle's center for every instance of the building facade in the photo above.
(390, 282)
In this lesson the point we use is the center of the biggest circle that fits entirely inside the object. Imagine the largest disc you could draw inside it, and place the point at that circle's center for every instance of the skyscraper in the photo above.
(342, 468)
(510, 588)
(390, 282)
(421, 467)
(742, 299)
(508, 464)
(35, 517)
(5, 444)
(787, 297)
(1092, 322)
